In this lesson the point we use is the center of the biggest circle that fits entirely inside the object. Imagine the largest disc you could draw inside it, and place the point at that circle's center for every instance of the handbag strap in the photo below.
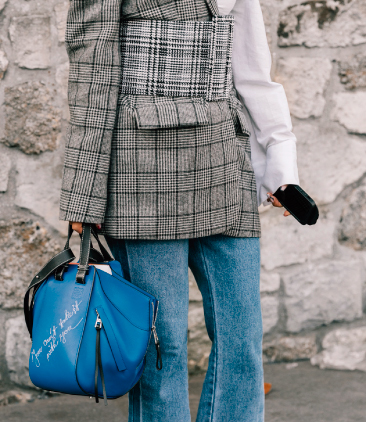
(105, 253)
(94, 256)
(62, 258)
(85, 246)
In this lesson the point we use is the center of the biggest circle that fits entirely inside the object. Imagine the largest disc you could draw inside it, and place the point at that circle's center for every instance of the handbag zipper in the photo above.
(159, 362)
(98, 361)
(98, 358)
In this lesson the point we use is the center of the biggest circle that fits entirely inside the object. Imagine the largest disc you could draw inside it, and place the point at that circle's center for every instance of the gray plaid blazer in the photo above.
(141, 176)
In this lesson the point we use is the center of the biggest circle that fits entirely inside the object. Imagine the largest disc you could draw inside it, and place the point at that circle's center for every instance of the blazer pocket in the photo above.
(168, 112)
(241, 125)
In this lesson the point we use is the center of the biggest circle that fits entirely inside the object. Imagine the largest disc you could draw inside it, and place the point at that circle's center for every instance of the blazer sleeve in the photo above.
(92, 44)
(274, 155)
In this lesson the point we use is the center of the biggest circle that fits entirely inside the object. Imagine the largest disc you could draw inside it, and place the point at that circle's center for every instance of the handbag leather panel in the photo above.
(123, 347)
(59, 314)
(110, 336)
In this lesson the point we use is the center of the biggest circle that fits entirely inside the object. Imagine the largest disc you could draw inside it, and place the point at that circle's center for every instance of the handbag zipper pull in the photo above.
(159, 362)
(98, 323)
(98, 361)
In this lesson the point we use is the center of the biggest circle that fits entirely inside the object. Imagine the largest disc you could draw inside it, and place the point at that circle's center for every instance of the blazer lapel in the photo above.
(214, 8)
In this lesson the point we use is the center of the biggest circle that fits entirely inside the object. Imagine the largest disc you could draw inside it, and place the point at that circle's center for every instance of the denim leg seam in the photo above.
(134, 410)
(215, 331)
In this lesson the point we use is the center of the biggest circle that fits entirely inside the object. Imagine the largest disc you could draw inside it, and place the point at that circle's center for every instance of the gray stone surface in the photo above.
(302, 394)
(352, 231)
(343, 349)
(269, 306)
(294, 243)
(25, 246)
(308, 394)
(199, 344)
(32, 123)
(31, 40)
(328, 160)
(17, 349)
(61, 15)
(352, 73)
(270, 282)
(305, 81)
(62, 77)
(349, 111)
(2, 4)
(3, 64)
(5, 164)
(288, 349)
(194, 293)
(38, 183)
(334, 23)
(319, 293)
(14, 396)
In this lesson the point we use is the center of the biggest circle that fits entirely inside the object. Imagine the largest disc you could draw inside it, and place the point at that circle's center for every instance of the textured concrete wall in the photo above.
(313, 278)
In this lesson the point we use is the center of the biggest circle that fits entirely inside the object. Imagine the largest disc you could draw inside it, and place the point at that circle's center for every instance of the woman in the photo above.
(174, 181)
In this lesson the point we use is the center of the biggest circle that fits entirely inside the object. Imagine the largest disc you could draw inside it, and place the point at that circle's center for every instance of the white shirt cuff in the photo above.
(281, 169)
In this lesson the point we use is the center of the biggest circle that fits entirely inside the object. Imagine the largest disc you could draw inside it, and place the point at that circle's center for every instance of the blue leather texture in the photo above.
(62, 356)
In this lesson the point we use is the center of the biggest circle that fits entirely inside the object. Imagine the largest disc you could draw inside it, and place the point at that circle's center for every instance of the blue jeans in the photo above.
(227, 271)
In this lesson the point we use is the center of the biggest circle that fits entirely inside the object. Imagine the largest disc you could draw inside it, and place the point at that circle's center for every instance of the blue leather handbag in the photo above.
(90, 327)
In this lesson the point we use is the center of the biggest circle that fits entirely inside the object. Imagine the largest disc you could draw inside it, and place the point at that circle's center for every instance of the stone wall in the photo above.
(313, 278)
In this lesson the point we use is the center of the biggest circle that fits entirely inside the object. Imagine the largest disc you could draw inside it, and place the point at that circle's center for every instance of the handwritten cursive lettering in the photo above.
(36, 355)
(51, 341)
(68, 329)
(68, 315)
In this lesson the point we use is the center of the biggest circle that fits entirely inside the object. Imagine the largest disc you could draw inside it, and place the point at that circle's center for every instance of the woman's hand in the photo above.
(276, 202)
(78, 227)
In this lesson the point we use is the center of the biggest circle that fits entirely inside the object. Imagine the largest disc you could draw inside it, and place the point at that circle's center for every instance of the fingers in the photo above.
(276, 203)
(274, 200)
(78, 227)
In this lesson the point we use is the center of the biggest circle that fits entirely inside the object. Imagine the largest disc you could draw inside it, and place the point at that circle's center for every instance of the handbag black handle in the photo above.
(94, 256)
(85, 248)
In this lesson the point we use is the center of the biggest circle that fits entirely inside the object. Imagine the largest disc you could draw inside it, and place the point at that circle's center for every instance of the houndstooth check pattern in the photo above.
(146, 166)
(181, 58)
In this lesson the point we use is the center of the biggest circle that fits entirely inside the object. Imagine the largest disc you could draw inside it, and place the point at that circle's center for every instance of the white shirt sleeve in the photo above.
(273, 145)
